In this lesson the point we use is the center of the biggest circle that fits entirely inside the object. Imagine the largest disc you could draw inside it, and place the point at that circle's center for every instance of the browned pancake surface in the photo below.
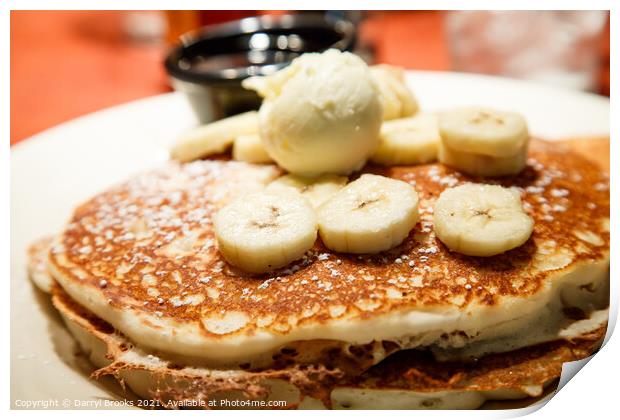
(519, 369)
(148, 245)
(526, 370)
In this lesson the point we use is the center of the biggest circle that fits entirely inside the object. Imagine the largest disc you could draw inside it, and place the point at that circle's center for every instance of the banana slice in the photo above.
(483, 131)
(370, 215)
(261, 232)
(481, 220)
(316, 190)
(482, 165)
(249, 148)
(397, 100)
(408, 141)
(215, 137)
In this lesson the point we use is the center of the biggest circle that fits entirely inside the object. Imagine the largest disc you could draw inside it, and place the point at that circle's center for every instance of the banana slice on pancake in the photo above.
(481, 220)
(408, 141)
(261, 232)
(249, 148)
(483, 165)
(483, 131)
(369, 215)
(215, 137)
(316, 190)
(397, 100)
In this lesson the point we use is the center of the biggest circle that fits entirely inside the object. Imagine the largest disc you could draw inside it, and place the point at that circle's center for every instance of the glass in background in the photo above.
(557, 47)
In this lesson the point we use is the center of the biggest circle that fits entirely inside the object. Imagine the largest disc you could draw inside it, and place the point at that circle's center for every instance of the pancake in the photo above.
(141, 256)
(37, 264)
(409, 379)
(595, 149)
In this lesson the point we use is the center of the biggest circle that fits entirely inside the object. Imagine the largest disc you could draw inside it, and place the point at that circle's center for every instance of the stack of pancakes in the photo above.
(139, 281)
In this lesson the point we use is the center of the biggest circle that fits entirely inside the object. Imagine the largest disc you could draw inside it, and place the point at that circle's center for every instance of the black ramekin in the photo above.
(208, 65)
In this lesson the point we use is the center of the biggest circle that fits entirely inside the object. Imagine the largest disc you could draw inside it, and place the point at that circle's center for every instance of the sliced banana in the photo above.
(397, 100)
(482, 165)
(369, 215)
(481, 220)
(249, 148)
(261, 232)
(408, 141)
(214, 137)
(483, 131)
(316, 190)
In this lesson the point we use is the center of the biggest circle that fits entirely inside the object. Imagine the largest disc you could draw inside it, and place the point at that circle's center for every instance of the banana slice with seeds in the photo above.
(249, 148)
(316, 190)
(408, 141)
(483, 165)
(369, 215)
(261, 232)
(483, 131)
(481, 220)
(214, 137)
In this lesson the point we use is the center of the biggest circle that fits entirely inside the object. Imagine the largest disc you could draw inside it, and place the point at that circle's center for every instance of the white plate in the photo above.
(57, 169)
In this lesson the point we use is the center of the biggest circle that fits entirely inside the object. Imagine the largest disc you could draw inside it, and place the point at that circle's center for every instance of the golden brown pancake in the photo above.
(37, 263)
(566, 194)
(142, 257)
(406, 379)
(595, 149)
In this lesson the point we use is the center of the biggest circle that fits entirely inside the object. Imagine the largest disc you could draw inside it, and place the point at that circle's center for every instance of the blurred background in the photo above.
(69, 63)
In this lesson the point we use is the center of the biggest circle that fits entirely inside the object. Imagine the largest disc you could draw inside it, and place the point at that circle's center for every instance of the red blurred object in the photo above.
(66, 64)
(411, 39)
(211, 17)
(182, 21)
(605, 61)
